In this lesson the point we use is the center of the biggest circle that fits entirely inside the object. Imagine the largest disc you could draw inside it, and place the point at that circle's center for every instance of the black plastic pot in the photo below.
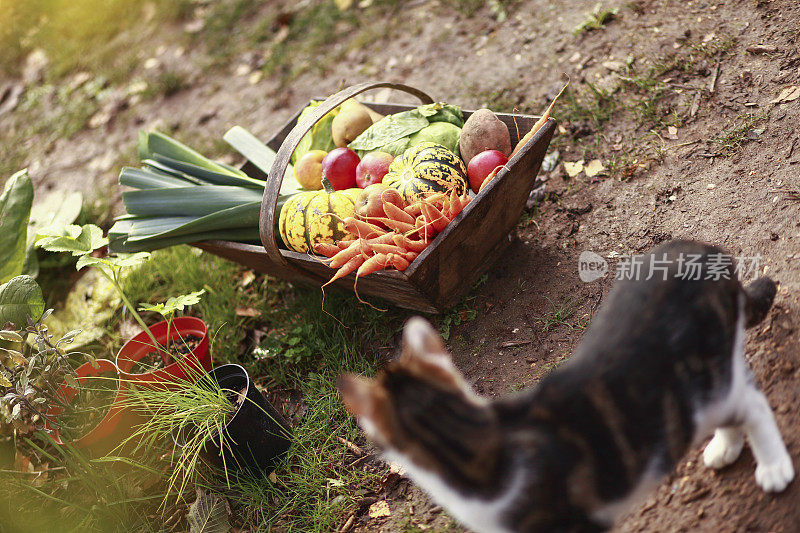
(257, 435)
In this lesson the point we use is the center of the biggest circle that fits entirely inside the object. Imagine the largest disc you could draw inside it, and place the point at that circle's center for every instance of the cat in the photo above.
(659, 369)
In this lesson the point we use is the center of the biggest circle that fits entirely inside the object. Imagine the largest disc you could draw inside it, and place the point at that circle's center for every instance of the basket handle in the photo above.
(289, 145)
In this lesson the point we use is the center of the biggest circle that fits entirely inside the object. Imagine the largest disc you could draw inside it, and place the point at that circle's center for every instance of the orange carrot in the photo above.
(409, 244)
(436, 218)
(386, 249)
(397, 225)
(398, 261)
(536, 127)
(346, 268)
(410, 256)
(344, 243)
(386, 238)
(326, 249)
(347, 254)
(394, 212)
(376, 262)
(361, 228)
(489, 178)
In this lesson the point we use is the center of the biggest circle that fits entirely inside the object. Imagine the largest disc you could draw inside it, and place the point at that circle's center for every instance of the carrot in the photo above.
(376, 262)
(410, 256)
(386, 238)
(394, 212)
(398, 225)
(344, 243)
(361, 228)
(386, 249)
(347, 254)
(410, 244)
(437, 220)
(413, 209)
(326, 249)
(536, 127)
(398, 261)
(345, 269)
(489, 178)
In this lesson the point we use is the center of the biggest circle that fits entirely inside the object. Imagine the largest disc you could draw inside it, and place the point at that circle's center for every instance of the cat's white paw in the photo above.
(724, 449)
(774, 477)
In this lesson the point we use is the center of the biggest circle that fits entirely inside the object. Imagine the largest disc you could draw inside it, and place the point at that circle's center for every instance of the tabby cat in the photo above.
(661, 367)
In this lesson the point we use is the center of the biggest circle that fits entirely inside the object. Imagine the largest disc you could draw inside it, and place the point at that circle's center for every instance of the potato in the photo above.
(484, 131)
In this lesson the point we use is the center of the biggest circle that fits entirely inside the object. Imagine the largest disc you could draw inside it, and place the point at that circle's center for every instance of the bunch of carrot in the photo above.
(393, 240)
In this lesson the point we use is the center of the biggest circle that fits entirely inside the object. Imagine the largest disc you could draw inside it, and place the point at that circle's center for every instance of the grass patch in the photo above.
(77, 34)
(737, 132)
(595, 105)
(562, 314)
(182, 269)
(595, 20)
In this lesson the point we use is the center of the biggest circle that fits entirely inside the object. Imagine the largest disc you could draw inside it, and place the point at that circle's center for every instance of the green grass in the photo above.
(595, 20)
(78, 34)
(736, 132)
(182, 269)
(562, 314)
(593, 104)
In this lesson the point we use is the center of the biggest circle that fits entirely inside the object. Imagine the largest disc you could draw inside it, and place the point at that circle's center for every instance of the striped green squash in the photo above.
(311, 217)
(425, 169)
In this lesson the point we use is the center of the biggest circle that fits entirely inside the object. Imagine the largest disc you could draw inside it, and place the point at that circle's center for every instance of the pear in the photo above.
(352, 120)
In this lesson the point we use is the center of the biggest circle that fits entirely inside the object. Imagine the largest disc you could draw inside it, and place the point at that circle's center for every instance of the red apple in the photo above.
(369, 202)
(372, 168)
(483, 164)
(339, 168)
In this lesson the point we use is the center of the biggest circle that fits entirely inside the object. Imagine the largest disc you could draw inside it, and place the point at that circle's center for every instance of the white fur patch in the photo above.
(481, 516)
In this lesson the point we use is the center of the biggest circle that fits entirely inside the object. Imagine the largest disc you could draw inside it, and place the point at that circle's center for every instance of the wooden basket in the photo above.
(453, 260)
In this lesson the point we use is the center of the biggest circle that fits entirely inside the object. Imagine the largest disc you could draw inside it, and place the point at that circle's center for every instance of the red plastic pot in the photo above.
(197, 362)
(103, 437)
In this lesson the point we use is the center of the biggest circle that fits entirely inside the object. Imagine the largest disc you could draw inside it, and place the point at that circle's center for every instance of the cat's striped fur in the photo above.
(661, 367)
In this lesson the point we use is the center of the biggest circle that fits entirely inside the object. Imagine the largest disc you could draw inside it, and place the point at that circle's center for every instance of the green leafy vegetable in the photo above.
(392, 133)
(20, 298)
(320, 136)
(15, 209)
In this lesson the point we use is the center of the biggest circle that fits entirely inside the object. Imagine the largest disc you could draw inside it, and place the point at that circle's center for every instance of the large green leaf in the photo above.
(77, 240)
(158, 143)
(15, 210)
(174, 303)
(20, 298)
(187, 201)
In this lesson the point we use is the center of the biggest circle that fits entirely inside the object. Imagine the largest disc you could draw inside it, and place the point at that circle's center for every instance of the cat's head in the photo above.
(421, 407)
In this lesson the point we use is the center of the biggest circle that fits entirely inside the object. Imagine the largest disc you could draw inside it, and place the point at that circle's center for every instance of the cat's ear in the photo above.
(425, 355)
(367, 401)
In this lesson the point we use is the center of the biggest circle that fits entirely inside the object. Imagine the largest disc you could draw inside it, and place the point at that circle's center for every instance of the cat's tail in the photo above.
(760, 295)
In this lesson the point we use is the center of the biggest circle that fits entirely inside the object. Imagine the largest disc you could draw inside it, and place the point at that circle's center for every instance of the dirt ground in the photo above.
(701, 150)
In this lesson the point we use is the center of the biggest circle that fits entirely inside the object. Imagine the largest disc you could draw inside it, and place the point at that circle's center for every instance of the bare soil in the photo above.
(707, 179)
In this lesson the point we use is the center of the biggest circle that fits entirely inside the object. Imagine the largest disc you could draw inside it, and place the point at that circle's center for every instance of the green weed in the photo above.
(595, 20)
(562, 314)
(737, 132)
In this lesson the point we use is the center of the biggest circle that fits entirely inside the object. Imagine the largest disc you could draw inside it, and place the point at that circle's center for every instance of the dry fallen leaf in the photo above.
(247, 311)
(788, 94)
(379, 509)
(594, 168)
(343, 4)
(573, 169)
(248, 276)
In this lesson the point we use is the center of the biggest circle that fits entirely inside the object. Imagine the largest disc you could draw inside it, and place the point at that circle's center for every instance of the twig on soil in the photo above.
(348, 524)
(509, 344)
(695, 104)
(791, 149)
(712, 85)
(352, 447)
